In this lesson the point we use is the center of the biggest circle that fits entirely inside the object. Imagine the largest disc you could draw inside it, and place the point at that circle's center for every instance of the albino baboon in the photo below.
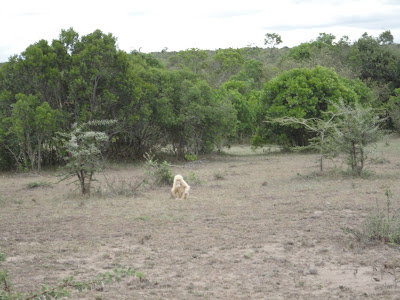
(180, 189)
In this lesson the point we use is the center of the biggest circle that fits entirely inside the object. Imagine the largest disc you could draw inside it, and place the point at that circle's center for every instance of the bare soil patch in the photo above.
(256, 226)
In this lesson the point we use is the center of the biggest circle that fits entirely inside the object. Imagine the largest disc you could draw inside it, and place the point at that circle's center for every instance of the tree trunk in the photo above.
(353, 157)
(361, 160)
(31, 153)
(321, 151)
(93, 98)
(85, 181)
(39, 154)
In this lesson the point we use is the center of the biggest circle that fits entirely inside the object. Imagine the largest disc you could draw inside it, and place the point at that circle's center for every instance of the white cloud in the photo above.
(180, 24)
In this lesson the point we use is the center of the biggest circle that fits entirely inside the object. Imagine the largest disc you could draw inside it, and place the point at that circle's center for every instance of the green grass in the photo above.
(37, 184)
(245, 150)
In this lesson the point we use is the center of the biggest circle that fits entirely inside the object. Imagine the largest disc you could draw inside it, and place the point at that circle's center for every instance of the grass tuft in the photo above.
(37, 184)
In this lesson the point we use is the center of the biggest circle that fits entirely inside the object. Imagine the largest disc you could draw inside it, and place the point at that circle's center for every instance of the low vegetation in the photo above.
(381, 225)
(63, 290)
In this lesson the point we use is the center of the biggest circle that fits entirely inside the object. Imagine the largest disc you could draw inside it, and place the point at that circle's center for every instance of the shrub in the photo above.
(383, 225)
(119, 187)
(36, 184)
(194, 179)
(219, 175)
(357, 128)
(191, 157)
(84, 148)
(302, 94)
(158, 173)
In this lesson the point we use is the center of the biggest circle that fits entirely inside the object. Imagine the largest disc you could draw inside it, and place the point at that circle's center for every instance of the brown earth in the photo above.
(256, 226)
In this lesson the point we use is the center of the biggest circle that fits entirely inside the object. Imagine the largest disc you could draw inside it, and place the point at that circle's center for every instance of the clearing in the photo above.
(256, 226)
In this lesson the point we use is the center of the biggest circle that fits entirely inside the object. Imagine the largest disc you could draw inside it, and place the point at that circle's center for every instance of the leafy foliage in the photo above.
(244, 101)
(375, 64)
(394, 109)
(193, 59)
(192, 120)
(272, 39)
(357, 128)
(32, 124)
(301, 94)
(158, 173)
(193, 100)
(84, 149)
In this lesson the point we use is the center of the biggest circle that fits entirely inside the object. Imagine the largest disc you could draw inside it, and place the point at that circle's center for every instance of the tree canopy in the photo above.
(193, 101)
(302, 94)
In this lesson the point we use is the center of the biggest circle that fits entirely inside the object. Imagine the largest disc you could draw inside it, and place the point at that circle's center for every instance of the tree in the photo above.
(69, 38)
(139, 84)
(344, 41)
(357, 128)
(272, 39)
(8, 143)
(189, 116)
(91, 76)
(252, 72)
(377, 65)
(23, 127)
(301, 94)
(394, 109)
(301, 52)
(373, 62)
(194, 59)
(45, 127)
(325, 39)
(321, 127)
(32, 125)
(239, 94)
(84, 148)
(386, 38)
(40, 68)
(229, 61)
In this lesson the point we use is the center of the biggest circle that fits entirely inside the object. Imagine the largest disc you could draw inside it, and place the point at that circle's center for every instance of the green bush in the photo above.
(158, 173)
(36, 184)
(303, 94)
(191, 157)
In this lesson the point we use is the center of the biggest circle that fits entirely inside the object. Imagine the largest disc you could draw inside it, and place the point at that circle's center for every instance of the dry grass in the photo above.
(267, 228)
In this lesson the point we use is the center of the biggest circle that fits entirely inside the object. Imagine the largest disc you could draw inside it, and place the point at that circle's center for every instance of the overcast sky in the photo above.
(151, 25)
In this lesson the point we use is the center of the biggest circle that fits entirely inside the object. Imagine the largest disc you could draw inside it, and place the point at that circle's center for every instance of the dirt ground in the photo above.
(256, 226)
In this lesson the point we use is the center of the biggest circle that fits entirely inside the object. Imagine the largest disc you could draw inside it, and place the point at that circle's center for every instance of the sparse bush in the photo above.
(383, 225)
(84, 148)
(119, 187)
(219, 175)
(65, 287)
(36, 184)
(193, 178)
(357, 128)
(158, 173)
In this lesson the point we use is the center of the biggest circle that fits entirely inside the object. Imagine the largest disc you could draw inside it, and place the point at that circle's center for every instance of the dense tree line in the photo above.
(193, 101)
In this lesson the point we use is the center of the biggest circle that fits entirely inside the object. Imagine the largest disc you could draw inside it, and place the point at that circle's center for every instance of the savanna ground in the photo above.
(261, 225)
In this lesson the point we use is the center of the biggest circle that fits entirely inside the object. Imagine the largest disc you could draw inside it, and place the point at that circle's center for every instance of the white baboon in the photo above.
(180, 189)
